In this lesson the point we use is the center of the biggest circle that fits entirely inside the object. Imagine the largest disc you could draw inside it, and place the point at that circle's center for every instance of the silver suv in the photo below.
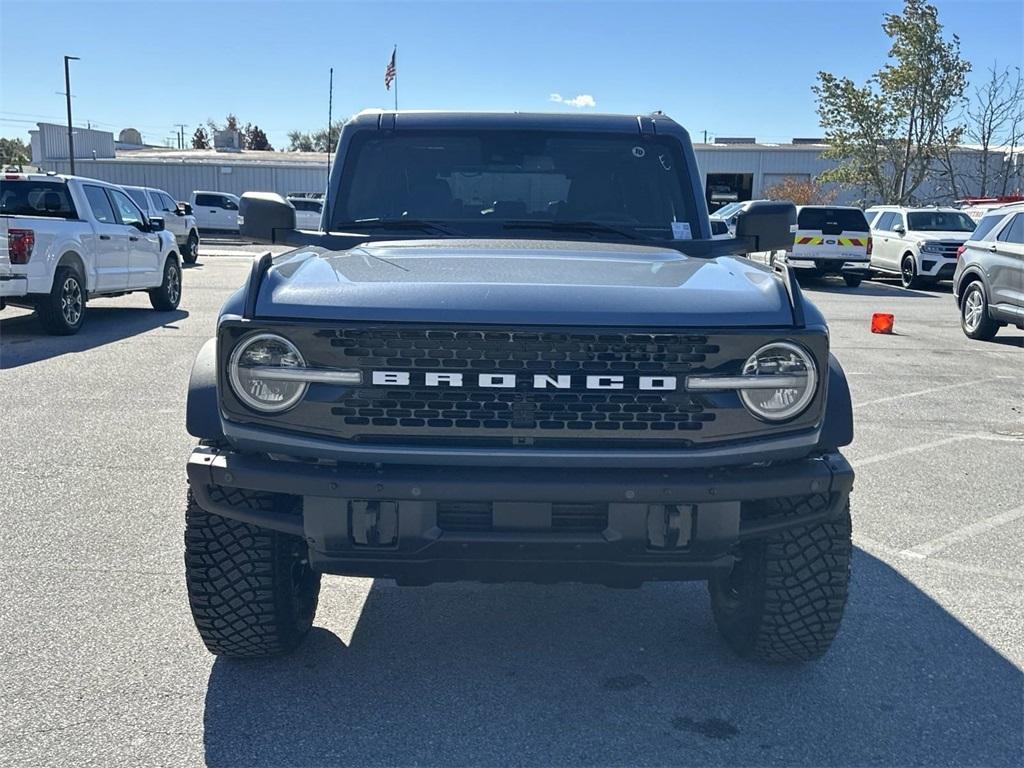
(918, 244)
(989, 280)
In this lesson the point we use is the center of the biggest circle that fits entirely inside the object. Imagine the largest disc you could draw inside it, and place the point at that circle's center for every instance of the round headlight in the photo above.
(772, 401)
(252, 375)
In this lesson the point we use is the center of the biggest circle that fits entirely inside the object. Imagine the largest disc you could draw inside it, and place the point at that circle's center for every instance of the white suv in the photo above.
(156, 202)
(918, 244)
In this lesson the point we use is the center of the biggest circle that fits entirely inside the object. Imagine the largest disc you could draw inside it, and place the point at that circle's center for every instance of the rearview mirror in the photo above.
(766, 226)
(266, 217)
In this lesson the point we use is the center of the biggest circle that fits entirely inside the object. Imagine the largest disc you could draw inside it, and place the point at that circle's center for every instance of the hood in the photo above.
(925, 236)
(522, 282)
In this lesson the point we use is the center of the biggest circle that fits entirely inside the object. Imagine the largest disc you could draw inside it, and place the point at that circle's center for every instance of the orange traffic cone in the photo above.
(882, 322)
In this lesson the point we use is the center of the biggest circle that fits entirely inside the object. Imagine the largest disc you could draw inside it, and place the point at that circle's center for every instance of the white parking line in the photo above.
(929, 548)
(925, 446)
(924, 391)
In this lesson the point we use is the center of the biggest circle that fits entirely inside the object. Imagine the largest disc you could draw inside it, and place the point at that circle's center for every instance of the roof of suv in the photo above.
(513, 121)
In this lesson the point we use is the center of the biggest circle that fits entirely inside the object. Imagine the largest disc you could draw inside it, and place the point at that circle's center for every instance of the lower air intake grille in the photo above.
(478, 516)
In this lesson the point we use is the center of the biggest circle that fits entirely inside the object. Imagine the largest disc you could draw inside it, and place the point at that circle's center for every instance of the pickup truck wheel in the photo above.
(908, 272)
(974, 317)
(62, 310)
(852, 281)
(784, 598)
(166, 297)
(190, 253)
(251, 590)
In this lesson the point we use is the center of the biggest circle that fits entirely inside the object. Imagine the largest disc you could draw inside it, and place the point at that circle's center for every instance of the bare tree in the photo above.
(995, 123)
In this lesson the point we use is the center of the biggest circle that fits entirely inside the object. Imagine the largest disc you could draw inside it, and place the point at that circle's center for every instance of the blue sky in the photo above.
(730, 68)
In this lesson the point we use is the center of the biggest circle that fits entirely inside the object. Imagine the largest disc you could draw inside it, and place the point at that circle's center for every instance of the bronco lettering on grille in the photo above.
(512, 381)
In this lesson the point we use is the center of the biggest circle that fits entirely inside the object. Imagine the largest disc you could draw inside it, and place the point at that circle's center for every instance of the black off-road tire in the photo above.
(190, 253)
(167, 297)
(784, 599)
(62, 310)
(852, 281)
(250, 589)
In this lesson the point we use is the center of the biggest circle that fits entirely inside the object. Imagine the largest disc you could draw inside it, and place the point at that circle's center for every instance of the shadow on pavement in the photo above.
(23, 340)
(573, 675)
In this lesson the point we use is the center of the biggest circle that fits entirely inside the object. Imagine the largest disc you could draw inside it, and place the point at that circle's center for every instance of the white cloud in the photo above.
(579, 101)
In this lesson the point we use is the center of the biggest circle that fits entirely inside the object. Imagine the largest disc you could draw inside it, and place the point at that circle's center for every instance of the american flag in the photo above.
(391, 72)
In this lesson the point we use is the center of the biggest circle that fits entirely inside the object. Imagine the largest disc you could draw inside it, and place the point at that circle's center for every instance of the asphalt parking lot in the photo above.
(100, 663)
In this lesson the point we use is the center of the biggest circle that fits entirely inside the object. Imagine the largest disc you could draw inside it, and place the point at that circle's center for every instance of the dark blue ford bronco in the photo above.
(514, 351)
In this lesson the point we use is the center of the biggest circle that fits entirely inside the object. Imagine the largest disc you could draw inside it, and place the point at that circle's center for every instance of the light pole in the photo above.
(67, 93)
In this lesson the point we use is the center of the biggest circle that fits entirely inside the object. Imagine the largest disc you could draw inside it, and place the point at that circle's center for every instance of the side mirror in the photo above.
(266, 217)
(899, 229)
(229, 205)
(156, 224)
(767, 226)
(185, 208)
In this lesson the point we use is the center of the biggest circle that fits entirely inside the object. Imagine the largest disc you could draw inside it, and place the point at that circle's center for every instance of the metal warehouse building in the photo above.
(731, 169)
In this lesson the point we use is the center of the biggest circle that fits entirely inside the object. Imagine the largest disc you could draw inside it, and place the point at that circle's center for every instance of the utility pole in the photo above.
(67, 93)
(330, 116)
(181, 135)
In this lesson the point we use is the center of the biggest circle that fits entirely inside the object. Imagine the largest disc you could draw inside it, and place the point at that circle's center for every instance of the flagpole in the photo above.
(395, 57)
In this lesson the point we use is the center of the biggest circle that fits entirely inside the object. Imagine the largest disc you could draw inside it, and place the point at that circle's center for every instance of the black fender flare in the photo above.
(837, 428)
(202, 411)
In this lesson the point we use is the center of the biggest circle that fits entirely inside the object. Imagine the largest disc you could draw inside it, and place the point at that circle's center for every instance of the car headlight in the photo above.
(789, 381)
(931, 247)
(258, 373)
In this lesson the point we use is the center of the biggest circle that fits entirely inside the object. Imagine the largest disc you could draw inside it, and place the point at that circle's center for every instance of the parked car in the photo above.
(576, 383)
(730, 213)
(830, 240)
(66, 239)
(989, 280)
(215, 211)
(157, 203)
(918, 244)
(307, 212)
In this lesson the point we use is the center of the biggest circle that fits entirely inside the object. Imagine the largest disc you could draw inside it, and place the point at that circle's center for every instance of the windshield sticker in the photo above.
(639, 152)
(681, 230)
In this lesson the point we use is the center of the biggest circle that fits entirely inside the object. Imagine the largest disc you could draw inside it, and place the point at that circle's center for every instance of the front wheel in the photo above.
(251, 590)
(166, 297)
(190, 253)
(974, 316)
(784, 598)
(852, 281)
(908, 272)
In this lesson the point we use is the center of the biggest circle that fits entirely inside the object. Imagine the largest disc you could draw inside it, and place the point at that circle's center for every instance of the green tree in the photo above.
(14, 152)
(888, 133)
(253, 137)
(200, 140)
(300, 141)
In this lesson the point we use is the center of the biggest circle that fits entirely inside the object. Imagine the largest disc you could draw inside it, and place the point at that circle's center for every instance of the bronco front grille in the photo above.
(521, 352)
(566, 408)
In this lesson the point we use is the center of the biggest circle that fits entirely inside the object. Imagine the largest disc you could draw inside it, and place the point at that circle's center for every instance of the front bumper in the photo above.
(410, 522)
(937, 267)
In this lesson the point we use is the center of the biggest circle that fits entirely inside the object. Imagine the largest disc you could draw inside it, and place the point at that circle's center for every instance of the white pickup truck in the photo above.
(67, 239)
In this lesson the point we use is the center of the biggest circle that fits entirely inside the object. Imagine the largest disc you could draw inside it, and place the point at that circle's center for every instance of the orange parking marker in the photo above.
(882, 322)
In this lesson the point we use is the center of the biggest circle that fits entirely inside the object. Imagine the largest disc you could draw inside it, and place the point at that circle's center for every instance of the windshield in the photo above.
(940, 221)
(726, 210)
(484, 179)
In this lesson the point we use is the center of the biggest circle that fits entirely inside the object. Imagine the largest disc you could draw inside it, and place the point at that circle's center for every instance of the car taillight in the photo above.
(960, 250)
(871, 246)
(19, 245)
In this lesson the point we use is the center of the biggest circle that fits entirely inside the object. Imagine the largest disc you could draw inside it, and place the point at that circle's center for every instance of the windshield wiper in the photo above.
(396, 224)
(592, 227)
